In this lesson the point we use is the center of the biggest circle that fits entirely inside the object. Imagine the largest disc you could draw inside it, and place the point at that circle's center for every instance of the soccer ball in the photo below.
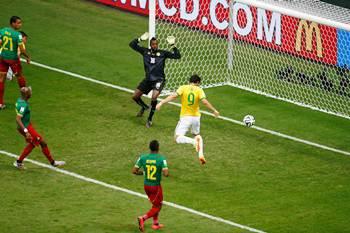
(249, 120)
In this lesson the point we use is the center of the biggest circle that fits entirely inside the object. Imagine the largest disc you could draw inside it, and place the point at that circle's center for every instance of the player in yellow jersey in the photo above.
(191, 95)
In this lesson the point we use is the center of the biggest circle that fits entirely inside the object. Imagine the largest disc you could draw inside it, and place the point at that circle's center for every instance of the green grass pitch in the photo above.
(252, 178)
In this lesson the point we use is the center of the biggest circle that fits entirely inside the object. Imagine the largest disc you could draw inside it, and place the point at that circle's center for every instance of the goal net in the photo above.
(202, 46)
(296, 51)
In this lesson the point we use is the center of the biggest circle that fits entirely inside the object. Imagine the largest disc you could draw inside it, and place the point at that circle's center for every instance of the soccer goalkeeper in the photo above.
(154, 63)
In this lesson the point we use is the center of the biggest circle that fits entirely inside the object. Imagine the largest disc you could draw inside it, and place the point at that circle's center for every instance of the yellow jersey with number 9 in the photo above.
(190, 95)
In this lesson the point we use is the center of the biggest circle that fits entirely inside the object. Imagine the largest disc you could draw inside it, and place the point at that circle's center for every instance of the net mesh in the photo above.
(203, 53)
(316, 8)
(269, 53)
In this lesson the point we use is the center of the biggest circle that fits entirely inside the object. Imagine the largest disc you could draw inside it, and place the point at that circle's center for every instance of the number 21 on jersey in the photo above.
(8, 44)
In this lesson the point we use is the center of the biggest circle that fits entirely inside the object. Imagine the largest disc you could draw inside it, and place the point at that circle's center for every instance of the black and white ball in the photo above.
(249, 120)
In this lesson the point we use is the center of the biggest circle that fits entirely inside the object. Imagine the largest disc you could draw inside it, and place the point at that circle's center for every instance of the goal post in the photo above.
(295, 51)
(152, 18)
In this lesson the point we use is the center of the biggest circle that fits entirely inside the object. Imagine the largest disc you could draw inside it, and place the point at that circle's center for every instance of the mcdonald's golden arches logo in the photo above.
(309, 31)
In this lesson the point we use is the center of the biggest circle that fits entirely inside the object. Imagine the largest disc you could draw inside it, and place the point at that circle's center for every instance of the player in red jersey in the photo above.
(153, 165)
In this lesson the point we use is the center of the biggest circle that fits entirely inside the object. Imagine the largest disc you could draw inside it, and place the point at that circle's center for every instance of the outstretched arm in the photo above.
(176, 53)
(134, 44)
(23, 52)
(211, 107)
(173, 55)
(166, 100)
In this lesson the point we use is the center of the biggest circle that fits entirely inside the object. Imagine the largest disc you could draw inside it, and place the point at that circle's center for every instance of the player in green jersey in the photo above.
(10, 75)
(153, 165)
(26, 129)
(10, 41)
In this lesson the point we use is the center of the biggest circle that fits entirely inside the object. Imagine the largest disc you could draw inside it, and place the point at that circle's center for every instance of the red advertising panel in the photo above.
(136, 6)
(253, 25)
(206, 15)
(308, 39)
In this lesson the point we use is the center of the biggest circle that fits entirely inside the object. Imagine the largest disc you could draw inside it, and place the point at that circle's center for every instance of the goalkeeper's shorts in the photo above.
(146, 86)
(186, 123)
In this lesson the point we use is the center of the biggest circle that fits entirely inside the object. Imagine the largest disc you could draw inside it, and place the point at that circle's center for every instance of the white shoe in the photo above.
(9, 76)
(18, 165)
(2, 106)
(58, 163)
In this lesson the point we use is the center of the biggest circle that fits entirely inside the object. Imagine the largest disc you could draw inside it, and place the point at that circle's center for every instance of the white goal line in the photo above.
(317, 145)
(128, 191)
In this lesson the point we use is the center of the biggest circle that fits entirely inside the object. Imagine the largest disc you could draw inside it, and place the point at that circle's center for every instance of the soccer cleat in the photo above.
(198, 142)
(18, 165)
(141, 224)
(2, 106)
(9, 77)
(149, 124)
(202, 160)
(142, 110)
(157, 226)
(58, 163)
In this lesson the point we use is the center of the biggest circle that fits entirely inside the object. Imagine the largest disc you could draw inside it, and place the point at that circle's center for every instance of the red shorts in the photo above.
(36, 137)
(14, 64)
(155, 194)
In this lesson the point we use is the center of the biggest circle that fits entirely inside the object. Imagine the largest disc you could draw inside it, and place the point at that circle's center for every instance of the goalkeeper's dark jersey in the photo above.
(154, 62)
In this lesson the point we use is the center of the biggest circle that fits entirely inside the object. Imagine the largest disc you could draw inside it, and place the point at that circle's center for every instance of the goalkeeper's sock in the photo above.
(140, 102)
(181, 139)
(153, 109)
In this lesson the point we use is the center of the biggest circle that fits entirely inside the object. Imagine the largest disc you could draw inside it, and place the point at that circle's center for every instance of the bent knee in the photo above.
(43, 143)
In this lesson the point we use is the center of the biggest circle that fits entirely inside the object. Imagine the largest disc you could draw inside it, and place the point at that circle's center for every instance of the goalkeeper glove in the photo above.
(144, 36)
(171, 40)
